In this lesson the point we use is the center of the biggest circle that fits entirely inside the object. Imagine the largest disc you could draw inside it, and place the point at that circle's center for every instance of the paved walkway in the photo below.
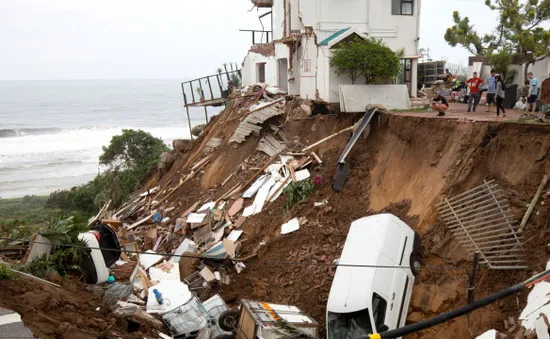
(11, 325)
(459, 111)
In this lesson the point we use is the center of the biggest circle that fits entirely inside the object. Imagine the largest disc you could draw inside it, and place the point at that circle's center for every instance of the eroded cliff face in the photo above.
(405, 166)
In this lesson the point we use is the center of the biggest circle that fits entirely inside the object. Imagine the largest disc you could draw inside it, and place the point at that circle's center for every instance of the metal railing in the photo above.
(211, 90)
(264, 36)
(481, 221)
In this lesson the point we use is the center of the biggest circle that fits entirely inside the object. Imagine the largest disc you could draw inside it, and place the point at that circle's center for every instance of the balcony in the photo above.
(260, 37)
(263, 3)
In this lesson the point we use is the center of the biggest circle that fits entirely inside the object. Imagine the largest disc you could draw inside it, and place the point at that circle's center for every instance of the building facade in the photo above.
(305, 32)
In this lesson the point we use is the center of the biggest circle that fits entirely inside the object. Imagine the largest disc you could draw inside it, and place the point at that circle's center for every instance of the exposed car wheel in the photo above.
(225, 336)
(416, 264)
(228, 321)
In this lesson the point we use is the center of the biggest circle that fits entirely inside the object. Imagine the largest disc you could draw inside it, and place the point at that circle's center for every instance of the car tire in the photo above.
(416, 264)
(228, 320)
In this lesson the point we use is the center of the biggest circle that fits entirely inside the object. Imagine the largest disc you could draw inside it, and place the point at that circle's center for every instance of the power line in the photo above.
(260, 261)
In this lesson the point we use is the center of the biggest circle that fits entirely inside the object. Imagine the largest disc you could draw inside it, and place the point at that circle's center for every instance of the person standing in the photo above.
(500, 94)
(533, 92)
(475, 84)
(491, 90)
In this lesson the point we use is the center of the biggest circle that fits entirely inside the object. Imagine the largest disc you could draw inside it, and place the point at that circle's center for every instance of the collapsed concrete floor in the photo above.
(405, 166)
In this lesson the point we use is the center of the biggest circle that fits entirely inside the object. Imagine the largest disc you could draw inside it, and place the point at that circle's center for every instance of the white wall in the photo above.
(278, 18)
(249, 70)
(372, 17)
(355, 98)
(397, 31)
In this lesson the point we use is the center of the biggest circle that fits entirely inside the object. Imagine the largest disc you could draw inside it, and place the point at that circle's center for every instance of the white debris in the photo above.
(195, 218)
(239, 267)
(538, 302)
(491, 334)
(249, 193)
(149, 258)
(235, 235)
(174, 294)
(165, 272)
(302, 175)
(292, 226)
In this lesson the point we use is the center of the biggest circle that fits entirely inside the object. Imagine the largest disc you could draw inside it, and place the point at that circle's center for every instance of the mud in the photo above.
(404, 167)
(51, 312)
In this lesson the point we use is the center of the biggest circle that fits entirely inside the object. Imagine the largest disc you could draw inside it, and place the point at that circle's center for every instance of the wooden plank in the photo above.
(327, 138)
(533, 204)
(140, 222)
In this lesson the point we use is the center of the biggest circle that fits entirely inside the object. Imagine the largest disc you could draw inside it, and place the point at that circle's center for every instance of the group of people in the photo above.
(495, 88)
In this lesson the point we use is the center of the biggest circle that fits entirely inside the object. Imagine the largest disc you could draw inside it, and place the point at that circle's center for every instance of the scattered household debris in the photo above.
(260, 319)
(257, 115)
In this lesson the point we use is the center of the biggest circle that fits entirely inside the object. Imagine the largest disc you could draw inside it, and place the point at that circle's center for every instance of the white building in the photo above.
(304, 33)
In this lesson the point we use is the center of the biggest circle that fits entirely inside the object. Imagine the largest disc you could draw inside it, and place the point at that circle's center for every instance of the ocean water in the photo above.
(52, 132)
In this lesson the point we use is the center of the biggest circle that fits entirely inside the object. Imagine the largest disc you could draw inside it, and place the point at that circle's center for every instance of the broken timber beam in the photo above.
(327, 138)
(532, 204)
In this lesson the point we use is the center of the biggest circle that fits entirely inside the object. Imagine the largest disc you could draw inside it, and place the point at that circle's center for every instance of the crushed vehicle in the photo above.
(374, 279)
(254, 319)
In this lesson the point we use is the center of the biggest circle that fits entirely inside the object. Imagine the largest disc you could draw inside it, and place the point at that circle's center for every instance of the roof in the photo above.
(333, 36)
(352, 287)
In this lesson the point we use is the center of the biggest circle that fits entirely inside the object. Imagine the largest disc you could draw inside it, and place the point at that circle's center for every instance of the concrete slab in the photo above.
(355, 98)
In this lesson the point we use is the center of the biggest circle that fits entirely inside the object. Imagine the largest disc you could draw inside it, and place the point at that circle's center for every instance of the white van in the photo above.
(367, 300)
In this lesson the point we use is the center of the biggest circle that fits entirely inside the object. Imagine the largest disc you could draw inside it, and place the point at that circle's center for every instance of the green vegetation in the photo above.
(298, 191)
(6, 273)
(62, 259)
(501, 62)
(128, 159)
(520, 30)
(29, 209)
(368, 58)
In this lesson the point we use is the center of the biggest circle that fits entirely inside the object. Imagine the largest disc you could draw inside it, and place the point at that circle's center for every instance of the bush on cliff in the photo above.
(128, 160)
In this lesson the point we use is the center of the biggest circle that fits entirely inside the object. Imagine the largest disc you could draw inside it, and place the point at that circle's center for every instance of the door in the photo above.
(283, 74)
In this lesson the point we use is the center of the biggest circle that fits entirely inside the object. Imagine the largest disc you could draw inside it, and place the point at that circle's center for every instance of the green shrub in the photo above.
(129, 158)
(6, 273)
(298, 191)
(368, 58)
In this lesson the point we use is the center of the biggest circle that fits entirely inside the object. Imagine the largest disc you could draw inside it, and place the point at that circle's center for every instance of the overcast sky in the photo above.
(77, 39)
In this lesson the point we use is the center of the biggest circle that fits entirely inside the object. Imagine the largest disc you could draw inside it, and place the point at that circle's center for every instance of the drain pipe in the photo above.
(421, 325)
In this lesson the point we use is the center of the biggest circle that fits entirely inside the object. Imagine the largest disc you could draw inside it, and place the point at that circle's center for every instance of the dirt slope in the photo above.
(405, 166)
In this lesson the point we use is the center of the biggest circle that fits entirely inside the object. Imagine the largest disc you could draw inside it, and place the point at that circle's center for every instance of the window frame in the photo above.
(401, 3)
(261, 69)
(379, 312)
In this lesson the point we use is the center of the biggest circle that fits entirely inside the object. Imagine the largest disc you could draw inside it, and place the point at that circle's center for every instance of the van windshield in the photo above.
(349, 325)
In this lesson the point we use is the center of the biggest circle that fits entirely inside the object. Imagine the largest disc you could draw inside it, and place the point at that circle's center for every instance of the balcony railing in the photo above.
(260, 37)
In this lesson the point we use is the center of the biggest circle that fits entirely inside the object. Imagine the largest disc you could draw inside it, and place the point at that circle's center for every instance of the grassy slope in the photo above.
(21, 217)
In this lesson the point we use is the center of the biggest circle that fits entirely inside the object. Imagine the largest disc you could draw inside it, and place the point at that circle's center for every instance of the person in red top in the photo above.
(475, 92)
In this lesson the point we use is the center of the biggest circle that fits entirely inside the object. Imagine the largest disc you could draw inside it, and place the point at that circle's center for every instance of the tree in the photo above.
(129, 158)
(368, 58)
(132, 150)
(519, 29)
(501, 61)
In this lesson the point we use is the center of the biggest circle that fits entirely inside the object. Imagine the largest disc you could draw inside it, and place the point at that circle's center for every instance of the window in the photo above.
(405, 73)
(379, 306)
(402, 7)
(260, 72)
(349, 325)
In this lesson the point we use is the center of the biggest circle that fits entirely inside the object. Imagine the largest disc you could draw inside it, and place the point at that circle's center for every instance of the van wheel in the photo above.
(228, 320)
(416, 264)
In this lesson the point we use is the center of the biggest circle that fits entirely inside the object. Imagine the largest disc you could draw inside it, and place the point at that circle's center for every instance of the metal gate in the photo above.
(481, 220)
